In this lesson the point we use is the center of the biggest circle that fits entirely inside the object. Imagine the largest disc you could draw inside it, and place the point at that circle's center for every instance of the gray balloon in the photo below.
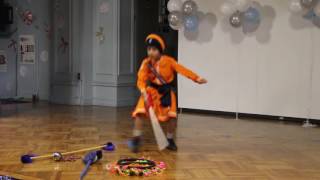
(316, 21)
(175, 19)
(189, 7)
(236, 20)
(308, 3)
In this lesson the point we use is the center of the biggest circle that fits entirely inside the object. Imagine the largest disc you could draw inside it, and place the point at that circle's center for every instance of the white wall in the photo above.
(269, 72)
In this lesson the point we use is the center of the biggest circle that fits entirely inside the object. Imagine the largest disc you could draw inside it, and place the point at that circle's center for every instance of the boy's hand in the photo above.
(201, 81)
(146, 98)
(144, 95)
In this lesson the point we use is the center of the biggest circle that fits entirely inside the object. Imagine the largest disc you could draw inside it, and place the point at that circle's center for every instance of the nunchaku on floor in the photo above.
(57, 156)
(94, 155)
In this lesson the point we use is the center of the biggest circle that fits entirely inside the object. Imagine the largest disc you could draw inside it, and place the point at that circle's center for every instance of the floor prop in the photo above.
(57, 156)
(90, 159)
(136, 167)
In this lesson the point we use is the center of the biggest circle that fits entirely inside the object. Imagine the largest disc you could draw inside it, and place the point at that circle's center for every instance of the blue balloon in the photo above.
(252, 15)
(310, 15)
(316, 21)
(191, 23)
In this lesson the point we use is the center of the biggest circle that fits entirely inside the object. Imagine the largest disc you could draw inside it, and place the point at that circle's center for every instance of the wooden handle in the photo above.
(42, 157)
(67, 153)
(83, 150)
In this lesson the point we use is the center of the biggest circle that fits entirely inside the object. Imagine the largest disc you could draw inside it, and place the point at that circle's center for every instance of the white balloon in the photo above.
(295, 6)
(308, 3)
(317, 9)
(175, 27)
(228, 8)
(242, 5)
(189, 7)
(174, 5)
(175, 20)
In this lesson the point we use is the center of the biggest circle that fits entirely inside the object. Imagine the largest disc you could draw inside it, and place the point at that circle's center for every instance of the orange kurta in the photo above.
(166, 67)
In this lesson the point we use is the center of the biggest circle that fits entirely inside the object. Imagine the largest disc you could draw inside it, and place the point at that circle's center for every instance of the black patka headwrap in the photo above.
(154, 43)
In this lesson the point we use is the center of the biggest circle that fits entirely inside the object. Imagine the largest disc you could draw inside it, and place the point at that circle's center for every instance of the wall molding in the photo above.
(104, 84)
(108, 83)
(104, 102)
(111, 102)
(61, 100)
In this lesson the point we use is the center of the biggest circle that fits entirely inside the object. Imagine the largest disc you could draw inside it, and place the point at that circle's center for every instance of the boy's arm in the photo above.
(142, 77)
(185, 71)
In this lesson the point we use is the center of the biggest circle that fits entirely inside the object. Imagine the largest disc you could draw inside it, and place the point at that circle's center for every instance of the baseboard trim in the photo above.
(44, 96)
(104, 102)
(248, 116)
(126, 102)
(72, 101)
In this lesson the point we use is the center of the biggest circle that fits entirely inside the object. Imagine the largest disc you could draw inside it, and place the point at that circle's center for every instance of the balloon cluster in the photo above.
(240, 12)
(183, 14)
(310, 7)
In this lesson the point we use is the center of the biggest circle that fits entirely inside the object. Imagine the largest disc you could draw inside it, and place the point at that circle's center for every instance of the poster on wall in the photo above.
(27, 49)
(3, 61)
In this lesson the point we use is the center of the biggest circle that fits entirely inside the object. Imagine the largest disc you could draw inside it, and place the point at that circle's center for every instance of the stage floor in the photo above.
(210, 147)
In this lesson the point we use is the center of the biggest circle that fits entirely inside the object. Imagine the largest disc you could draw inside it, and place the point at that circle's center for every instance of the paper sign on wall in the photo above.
(3, 61)
(27, 49)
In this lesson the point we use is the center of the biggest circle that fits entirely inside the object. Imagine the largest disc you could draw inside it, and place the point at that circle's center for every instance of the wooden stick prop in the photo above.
(157, 130)
(27, 159)
(161, 138)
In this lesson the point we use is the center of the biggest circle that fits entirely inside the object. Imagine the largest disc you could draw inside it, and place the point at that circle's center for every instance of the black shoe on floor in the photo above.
(172, 145)
(134, 144)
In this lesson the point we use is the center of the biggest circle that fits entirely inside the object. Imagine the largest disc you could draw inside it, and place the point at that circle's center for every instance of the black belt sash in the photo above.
(165, 91)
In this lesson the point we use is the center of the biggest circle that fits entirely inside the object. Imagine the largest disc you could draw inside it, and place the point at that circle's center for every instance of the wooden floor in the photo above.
(209, 147)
